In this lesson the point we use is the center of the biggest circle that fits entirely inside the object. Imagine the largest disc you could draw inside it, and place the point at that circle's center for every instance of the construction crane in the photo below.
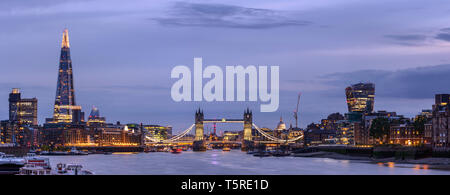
(296, 110)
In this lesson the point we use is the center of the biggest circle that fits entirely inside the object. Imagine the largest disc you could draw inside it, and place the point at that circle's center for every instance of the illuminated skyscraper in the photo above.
(22, 110)
(95, 118)
(360, 97)
(65, 110)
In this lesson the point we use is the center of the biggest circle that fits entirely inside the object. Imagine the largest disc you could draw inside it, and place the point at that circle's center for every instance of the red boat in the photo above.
(176, 150)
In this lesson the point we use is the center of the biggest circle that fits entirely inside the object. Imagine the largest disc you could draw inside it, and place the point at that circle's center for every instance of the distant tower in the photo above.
(65, 110)
(248, 123)
(95, 113)
(199, 117)
(95, 118)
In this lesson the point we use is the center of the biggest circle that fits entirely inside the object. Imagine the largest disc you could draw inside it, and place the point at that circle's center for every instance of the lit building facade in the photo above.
(441, 120)
(62, 134)
(230, 136)
(362, 135)
(331, 122)
(428, 133)
(95, 119)
(319, 136)
(360, 97)
(406, 135)
(345, 133)
(113, 136)
(295, 132)
(22, 110)
(18, 134)
(158, 132)
(69, 134)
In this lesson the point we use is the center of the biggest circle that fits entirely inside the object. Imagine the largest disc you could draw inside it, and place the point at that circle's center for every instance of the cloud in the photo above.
(419, 39)
(413, 83)
(407, 37)
(445, 30)
(443, 36)
(228, 16)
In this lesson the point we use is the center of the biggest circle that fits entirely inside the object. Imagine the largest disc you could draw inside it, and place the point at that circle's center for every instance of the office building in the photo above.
(360, 97)
(65, 108)
(22, 110)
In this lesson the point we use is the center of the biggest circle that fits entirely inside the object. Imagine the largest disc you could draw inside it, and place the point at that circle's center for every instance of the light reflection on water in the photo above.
(234, 162)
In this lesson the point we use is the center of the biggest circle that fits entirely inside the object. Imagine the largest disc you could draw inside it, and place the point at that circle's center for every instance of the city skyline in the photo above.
(110, 72)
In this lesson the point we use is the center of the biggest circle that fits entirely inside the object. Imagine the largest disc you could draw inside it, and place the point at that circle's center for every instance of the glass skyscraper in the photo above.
(22, 110)
(65, 110)
(360, 97)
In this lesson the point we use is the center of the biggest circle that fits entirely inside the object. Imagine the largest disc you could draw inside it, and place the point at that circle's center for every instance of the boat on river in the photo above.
(37, 165)
(262, 154)
(176, 151)
(73, 152)
(280, 153)
(10, 165)
(71, 169)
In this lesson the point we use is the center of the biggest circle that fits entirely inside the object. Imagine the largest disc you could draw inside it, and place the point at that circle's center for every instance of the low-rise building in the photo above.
(406, 135)
(318, 136)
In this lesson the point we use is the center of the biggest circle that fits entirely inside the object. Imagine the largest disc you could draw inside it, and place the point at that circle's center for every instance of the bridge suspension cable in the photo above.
(174, 138)
(275, 138)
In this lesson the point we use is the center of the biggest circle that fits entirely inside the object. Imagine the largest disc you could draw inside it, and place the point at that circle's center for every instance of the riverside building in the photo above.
(441, 117)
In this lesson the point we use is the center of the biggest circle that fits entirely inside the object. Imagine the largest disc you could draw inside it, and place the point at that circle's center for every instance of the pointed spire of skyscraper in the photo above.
(65, 39)
(65, 109)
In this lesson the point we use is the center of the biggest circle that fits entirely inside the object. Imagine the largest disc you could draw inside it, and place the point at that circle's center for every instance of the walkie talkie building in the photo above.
(360, 97)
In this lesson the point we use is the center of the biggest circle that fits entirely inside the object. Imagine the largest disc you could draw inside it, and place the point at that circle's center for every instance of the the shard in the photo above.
(65, 110)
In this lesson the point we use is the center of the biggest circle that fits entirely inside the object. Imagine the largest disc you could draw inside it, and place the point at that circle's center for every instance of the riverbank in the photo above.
(432, 162)
(332, 155)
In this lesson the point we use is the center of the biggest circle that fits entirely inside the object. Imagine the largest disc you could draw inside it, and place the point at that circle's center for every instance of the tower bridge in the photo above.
(200, 120)
(199, 143)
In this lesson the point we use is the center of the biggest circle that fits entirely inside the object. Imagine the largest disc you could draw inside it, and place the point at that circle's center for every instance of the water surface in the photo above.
(234, 162)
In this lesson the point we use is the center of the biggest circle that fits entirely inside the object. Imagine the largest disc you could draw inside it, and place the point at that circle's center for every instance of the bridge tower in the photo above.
(248, 121)
(247, 143)
(199, 130)
(199, 143)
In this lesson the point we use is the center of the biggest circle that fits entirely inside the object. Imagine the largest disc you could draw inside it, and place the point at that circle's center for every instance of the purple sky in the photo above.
(123, 53)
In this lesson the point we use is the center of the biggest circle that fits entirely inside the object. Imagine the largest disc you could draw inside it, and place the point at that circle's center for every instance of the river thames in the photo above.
(235, 162)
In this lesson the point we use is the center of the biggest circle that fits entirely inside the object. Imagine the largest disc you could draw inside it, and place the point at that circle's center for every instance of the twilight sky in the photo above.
(123, 53)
